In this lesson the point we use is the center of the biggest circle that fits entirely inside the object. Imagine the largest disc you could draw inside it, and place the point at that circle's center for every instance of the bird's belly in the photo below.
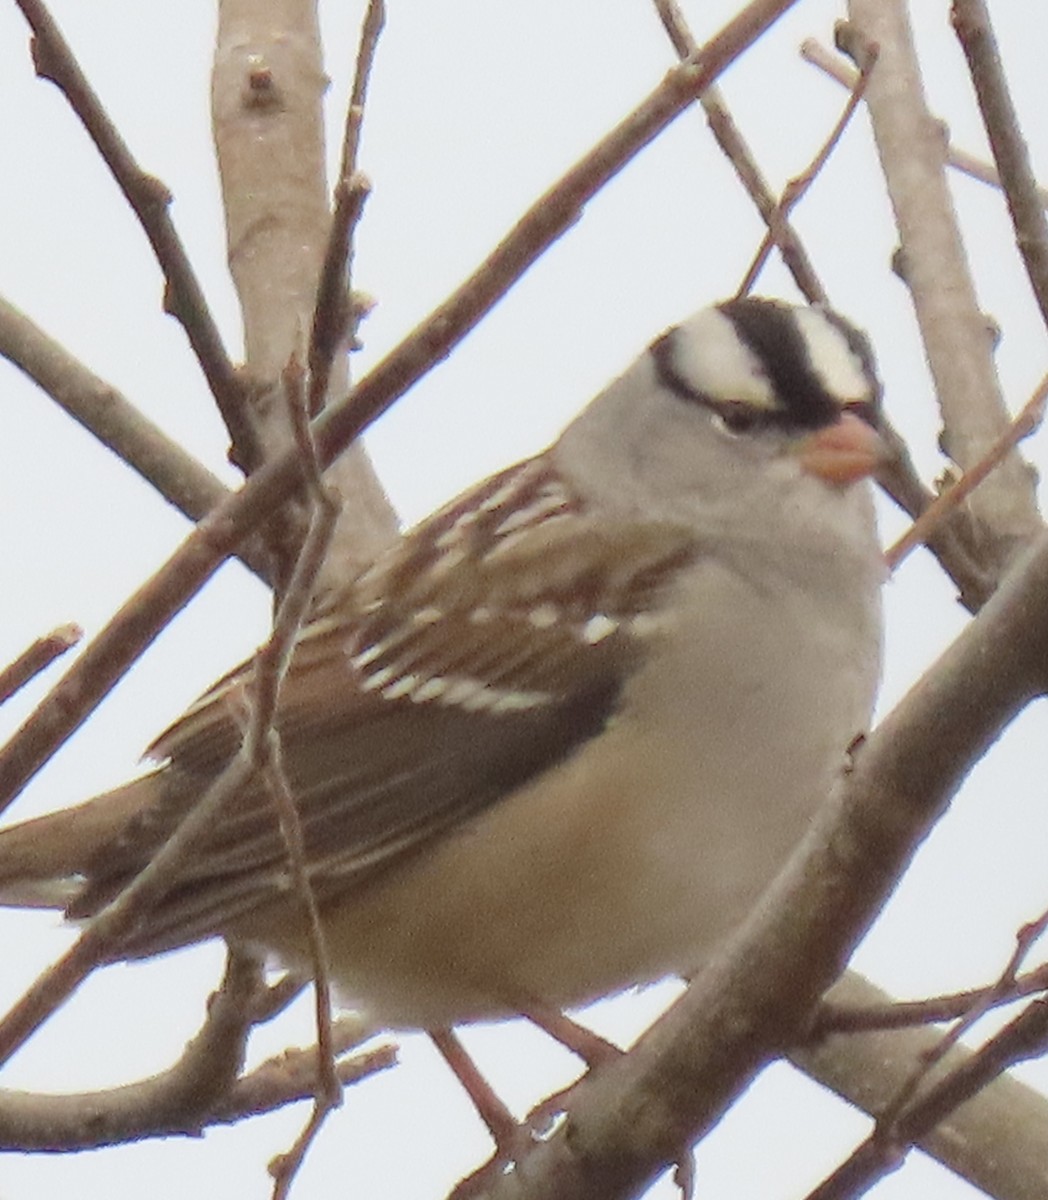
(651, 847)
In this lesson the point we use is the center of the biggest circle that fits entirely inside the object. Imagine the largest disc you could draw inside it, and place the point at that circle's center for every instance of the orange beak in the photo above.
(842, 453)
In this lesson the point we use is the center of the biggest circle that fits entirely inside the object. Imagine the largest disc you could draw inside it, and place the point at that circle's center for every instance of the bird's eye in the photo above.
(736, 419)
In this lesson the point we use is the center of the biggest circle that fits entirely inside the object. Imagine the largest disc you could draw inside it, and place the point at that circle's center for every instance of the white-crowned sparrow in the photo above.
(557, 740)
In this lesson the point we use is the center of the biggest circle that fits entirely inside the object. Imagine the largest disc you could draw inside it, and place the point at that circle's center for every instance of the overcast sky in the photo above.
(476, 107)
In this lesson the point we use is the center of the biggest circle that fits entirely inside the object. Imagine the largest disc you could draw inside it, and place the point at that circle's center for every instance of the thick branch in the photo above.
(267, 88)
(995, 1140)
(631, 1119)
(956, 336)
(201, 1090)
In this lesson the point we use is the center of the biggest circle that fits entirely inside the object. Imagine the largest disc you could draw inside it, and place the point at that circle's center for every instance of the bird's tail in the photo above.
(43, 862)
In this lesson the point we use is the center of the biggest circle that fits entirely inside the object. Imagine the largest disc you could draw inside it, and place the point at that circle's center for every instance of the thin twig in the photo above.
(336, 313)
(284, 1167)
(150, 200)
(903, 1101)
(109, 416)
(837, 68)
(885, 1148)
(1026, 422)
(905, 1014)
(334, 316)
(951, 541)
(263, 742)
(738, 153)
(270, 670)
(37, 657)
(971, 21)
(142, 617)
(291, 1078)
(370, 31)
(102, 934)
(796, 188)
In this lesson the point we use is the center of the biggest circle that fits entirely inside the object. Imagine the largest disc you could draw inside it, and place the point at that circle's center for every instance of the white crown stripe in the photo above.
(836, 365)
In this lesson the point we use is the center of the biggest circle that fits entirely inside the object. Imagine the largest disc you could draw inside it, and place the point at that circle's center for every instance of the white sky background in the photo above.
(476, 107)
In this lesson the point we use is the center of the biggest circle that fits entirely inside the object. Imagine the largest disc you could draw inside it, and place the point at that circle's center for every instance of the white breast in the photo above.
(654, 842)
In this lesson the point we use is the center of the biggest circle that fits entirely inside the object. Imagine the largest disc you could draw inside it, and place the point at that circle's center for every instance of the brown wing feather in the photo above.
(421, 696)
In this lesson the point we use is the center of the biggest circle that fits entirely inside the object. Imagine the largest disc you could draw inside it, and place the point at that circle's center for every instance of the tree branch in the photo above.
(267, 88)
(729, 137)
(203, 1089)
(934, 266)
(149, 199)
(37, 657)
(961, 160)
(995, 1140)
(110, 417)
(630, 1120)
(975, 33)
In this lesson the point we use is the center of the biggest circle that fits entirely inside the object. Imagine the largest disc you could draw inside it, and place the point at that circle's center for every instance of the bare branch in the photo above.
(1023, 1038)
(292, 1078)
(995, 1140)
(968, 164)
(334, 317)
(628, 1121)
(150, 200)
(780, 232)
(278, 997)
(36, 658)
(971, 20)
(903, 1105)
(103, 932)
(1026, 421)
(267, 91)
(263, 745)
(336, 313)
(903, 1014)
(955, 334)
(798, 186)
(178, 1100)
(950, 539)
(107, 414)
(200, 1091)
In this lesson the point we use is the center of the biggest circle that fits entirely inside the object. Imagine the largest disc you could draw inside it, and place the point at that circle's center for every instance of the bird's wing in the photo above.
(422, 695)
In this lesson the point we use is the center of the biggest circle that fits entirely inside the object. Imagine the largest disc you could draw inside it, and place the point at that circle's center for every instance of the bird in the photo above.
(556, 741)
